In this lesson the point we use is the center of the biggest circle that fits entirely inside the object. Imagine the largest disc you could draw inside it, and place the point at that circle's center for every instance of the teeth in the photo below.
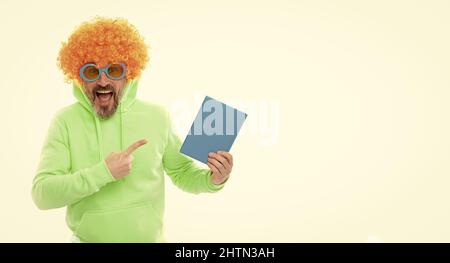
(103, 91)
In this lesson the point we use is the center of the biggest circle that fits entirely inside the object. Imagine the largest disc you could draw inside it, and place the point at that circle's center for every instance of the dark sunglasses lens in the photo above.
(116, 71)
(90, 72)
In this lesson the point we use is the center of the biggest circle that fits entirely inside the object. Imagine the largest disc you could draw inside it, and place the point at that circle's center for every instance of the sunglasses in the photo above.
(90, 73)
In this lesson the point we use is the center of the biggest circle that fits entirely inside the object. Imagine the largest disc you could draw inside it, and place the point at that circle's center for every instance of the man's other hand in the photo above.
(220, 164)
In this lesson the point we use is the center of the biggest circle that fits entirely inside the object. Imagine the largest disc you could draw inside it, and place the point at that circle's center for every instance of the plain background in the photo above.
(348, 134)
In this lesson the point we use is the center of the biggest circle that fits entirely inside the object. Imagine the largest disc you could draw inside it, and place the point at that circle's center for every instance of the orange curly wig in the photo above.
(103, 41)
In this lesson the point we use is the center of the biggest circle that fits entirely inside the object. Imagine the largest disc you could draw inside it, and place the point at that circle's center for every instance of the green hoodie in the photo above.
(72, 171)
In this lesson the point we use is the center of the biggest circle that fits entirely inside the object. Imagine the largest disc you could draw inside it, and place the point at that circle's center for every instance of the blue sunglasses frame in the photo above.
(101, 70)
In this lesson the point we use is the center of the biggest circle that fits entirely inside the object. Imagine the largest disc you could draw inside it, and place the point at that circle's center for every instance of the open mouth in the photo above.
(104, 96)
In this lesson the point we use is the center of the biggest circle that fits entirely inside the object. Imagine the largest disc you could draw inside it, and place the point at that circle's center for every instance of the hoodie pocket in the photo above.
(138, 223)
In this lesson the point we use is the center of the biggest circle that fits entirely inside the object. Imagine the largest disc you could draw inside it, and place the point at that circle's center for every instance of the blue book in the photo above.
(215, 128)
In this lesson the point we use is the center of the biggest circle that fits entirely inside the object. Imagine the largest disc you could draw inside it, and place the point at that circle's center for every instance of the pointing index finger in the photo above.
(134, 146)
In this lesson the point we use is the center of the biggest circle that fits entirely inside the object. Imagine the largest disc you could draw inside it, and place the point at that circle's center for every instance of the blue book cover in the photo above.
(215, 128)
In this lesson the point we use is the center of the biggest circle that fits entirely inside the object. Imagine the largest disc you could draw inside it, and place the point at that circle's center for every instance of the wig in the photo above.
(103, 41)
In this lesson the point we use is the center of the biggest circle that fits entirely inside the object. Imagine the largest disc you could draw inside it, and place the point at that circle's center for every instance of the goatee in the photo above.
(105, 111)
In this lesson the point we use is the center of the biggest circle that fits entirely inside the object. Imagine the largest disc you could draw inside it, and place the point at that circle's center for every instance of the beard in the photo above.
(105, 100)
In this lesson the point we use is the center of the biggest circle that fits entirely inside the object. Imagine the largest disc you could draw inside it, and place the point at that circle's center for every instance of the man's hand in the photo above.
(220, 164)
(119, 163)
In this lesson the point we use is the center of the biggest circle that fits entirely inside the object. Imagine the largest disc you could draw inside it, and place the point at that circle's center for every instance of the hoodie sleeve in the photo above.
(54, 185)
(182, 170)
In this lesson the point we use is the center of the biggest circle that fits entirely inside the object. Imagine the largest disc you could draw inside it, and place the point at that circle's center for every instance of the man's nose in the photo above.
(103, 80)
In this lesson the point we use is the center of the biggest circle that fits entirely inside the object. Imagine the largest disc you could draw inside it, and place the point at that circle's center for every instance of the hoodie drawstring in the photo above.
(98, 130)
(86, 103)
(121, 128)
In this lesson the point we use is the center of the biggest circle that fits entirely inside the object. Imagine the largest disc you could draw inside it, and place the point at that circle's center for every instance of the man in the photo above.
(104, 156)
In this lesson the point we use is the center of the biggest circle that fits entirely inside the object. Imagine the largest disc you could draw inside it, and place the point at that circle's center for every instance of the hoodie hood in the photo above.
(127, 100)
